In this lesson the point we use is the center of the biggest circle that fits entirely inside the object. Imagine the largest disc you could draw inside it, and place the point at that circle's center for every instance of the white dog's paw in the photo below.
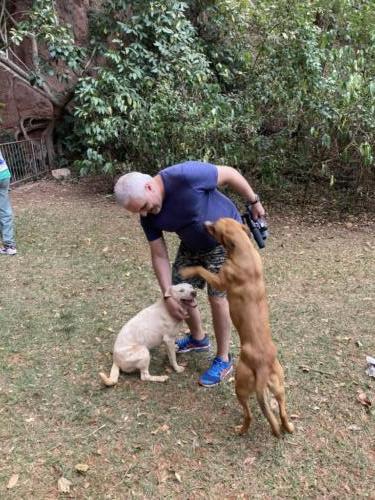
(179, 369)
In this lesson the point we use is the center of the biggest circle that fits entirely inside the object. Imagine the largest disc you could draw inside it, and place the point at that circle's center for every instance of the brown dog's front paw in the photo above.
(187, 272)
(241, 429)
(276, 431)
(288, 427)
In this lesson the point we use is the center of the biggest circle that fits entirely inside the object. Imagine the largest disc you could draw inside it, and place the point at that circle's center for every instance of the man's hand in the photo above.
(175, 309)
(257, 210)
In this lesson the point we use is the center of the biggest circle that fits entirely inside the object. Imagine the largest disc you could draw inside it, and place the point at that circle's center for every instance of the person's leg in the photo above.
(191, 342)
(194, 322)
(6, 215)
(222, 365)
(222, 325)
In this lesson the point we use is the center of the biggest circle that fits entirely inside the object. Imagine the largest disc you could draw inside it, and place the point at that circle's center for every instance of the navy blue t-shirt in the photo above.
(191, 198)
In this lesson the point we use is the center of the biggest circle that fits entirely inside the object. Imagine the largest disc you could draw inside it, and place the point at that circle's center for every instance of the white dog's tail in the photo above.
(113, 376)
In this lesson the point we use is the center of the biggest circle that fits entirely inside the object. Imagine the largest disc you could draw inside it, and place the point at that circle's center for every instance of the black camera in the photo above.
(257, 227)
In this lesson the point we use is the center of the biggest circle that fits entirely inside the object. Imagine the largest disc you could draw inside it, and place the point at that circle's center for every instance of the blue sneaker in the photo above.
(218, 371)
(188, 343)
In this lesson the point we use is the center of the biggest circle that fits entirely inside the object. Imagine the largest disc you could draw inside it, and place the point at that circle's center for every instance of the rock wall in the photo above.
(23, 104)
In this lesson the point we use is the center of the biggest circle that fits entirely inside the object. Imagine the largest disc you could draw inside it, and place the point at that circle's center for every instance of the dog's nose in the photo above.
(193, 293)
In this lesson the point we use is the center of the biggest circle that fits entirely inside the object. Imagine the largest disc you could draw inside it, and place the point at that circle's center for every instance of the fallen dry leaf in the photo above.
(63, 485)
(343, 339)
(162, 428)
(178, 477)
(12, 481)
(305, 368)
(162, 476)
(354, 428)
(162, 473)
(81, 467)
(363, 399)
(249, 461)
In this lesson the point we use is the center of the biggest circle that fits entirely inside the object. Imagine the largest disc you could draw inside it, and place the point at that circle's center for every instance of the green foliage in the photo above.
(283, 89)
(307, 68)
(150, 71)
(42, 24)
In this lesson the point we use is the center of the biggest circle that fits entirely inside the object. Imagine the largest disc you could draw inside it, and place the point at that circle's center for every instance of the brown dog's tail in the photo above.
(262, 376)
(113, 376)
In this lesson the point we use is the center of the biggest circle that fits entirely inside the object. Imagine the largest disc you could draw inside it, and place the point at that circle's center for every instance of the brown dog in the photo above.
(258, 368)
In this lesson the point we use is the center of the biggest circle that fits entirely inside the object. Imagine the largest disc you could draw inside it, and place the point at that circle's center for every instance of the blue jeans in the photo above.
(6, 215)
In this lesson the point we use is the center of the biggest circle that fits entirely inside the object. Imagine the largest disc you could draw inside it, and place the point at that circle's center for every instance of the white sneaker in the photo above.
(8, 251)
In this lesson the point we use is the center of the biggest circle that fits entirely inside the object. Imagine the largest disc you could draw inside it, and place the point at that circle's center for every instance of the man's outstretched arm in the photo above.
(229, 176)
(160, 263)
(162, 269)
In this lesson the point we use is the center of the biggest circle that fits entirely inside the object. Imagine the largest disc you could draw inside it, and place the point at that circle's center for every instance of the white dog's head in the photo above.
(183, 293)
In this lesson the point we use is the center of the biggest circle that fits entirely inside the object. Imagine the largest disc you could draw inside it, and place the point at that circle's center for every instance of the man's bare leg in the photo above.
(222, 325)
(194, 323)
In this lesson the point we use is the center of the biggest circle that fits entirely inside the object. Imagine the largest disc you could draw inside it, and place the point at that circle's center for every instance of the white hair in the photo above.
(131, 186)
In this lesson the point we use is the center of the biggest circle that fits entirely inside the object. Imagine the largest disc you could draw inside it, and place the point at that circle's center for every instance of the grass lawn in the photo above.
(83, 270)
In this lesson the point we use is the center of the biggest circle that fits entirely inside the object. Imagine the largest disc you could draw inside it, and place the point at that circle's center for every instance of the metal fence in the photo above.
(26, 159)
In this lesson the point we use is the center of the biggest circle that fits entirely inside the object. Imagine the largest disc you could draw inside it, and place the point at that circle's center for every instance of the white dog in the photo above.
(148, 329)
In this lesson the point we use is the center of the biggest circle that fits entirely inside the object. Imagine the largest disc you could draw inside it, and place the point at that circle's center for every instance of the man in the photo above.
(6, 215)
(180, 199)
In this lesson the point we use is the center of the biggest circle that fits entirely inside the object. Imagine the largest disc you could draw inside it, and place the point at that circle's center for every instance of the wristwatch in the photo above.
(255, 201)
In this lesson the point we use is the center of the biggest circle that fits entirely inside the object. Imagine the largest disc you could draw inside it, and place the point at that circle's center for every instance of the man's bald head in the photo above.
(131, 187)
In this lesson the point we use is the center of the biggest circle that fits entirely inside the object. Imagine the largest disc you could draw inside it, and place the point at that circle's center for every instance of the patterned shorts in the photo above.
(211, 260)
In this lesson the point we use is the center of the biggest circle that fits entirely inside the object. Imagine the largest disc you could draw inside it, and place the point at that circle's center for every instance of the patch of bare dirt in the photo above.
(46, 190)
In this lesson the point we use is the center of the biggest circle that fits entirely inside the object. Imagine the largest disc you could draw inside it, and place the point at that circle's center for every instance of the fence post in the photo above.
(34, 158)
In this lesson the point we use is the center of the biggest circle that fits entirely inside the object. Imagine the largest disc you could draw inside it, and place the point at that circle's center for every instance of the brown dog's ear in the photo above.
(231, 246)
(210, 227)
(246, 229)
(228, 244)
